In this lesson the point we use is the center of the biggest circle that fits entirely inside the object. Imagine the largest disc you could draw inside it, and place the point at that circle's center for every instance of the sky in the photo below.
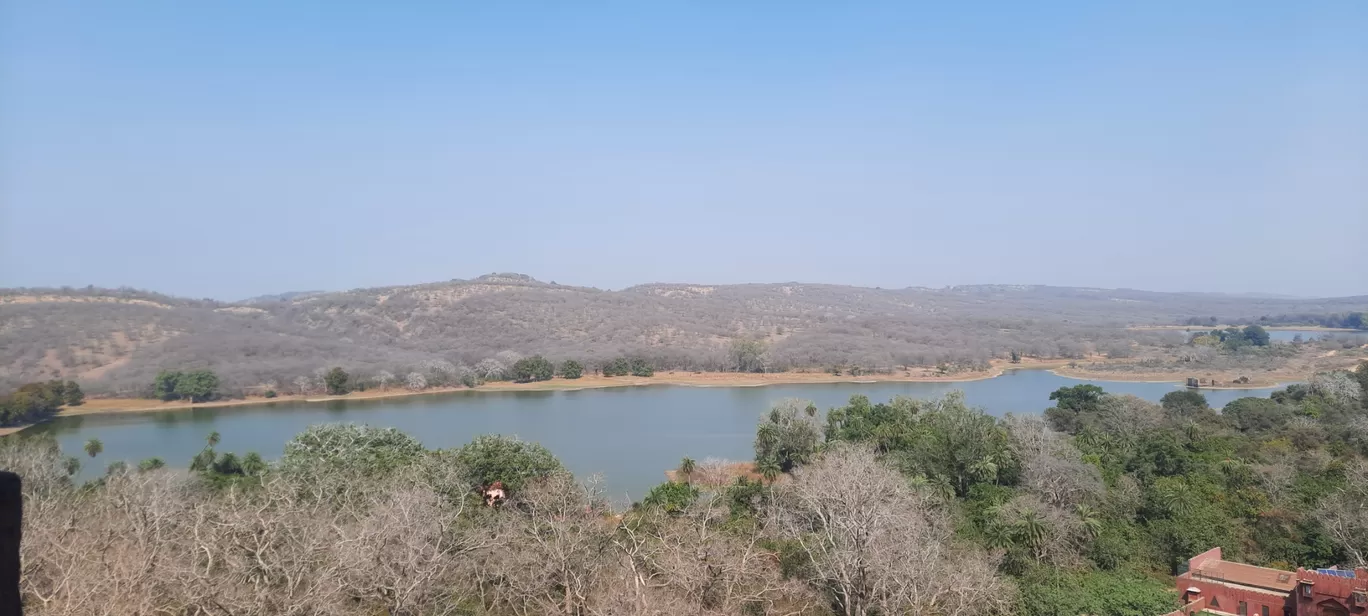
(232, 149)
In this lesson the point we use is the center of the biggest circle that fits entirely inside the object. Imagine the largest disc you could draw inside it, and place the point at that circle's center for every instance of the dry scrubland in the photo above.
(116, 341)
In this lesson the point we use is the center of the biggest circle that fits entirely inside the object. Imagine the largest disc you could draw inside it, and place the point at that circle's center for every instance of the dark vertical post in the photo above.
(11, 530)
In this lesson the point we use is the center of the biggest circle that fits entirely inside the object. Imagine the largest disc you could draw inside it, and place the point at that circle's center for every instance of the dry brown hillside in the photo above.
(116, 340)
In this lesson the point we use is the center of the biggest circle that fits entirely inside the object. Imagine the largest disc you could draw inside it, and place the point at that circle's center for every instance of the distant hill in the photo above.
(118, 339)
(280, 297)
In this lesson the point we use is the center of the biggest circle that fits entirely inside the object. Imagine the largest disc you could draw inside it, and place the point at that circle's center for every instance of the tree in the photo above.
(534, 368)
(1256, 414)
(350, 450)
(787, 435)
(415, 381)
(671, 497)
(747, 355)
(640, 367)
(686, 468)
(571, 369)
(1184, 402)
(303, 383)
(1075, 407)
(336, 382)
(877, 546)
(165, 385)
(93, 447)
(1255, 335)
(769, 469)
(514, 462)
(491, 369)
(197, 386)
(1016, 356)
(151, 464)
(617, 367)
(72, 394)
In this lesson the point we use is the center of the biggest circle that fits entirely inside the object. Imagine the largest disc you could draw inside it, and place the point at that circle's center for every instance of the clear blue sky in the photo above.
(237, 148)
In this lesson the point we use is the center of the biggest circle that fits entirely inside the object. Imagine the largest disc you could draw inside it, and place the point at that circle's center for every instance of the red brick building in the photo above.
(1215, 585)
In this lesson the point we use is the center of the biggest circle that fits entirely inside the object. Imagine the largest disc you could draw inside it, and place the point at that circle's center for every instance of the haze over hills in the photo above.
(118, 339)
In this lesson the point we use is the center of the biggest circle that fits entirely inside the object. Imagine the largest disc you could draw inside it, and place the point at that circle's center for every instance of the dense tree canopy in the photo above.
(534, 368)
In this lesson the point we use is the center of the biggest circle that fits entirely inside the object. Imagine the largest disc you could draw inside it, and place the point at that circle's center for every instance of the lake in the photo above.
(631, 435)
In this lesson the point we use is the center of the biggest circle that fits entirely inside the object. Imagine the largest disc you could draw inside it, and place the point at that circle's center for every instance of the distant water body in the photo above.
(630, 435)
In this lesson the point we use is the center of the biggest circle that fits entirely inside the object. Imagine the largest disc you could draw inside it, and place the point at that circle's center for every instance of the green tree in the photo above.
(72, 394)
(640, 367)
(769, 469)
(151, 464)
(571, 369)
(336, 381)
(687, 468)
(253, 465)
(960, 443)
(1183, 402)
(514, 462)
(617, 367)
(1075, 407)
(1051, 592)
(93, 447)
(1255, 335)
(350, 449)
(671, 497)
(1256, 414)
(534, 368)
(197, 386)
(1016, 356)
(164, 386)
(787, 435)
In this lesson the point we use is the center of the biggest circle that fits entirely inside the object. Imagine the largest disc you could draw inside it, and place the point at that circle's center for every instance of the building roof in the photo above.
(1247, 575)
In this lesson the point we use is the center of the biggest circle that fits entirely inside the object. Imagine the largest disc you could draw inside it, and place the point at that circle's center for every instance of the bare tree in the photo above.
(303, 384)
(551, 547)
(383, 378)
(415, 381)
(1051, 467)
(878, 547)
(1345, 515)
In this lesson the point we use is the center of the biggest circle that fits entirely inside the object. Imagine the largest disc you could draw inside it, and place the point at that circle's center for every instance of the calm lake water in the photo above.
(630, 435)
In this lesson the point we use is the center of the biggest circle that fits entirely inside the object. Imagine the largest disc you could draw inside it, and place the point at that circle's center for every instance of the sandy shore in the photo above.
(94, 406)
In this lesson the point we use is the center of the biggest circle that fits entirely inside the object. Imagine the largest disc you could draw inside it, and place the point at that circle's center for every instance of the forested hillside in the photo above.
(118, 340)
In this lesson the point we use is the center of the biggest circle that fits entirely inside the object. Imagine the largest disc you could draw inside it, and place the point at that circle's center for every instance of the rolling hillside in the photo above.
(116, 340)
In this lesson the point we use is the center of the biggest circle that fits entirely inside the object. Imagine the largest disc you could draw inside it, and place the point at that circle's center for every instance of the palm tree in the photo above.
(72, 465)
(212, 439)
(1092, 523)
(984, 470)
(941, 486)
(686, 468)
(93, 447)
(769, 469)
(1031, 528)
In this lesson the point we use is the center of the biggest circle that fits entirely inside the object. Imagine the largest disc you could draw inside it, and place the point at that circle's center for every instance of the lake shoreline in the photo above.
(104, 406)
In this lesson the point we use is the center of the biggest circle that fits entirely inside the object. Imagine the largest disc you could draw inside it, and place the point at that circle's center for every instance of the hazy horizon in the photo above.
(232, 151)
(226, 299)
